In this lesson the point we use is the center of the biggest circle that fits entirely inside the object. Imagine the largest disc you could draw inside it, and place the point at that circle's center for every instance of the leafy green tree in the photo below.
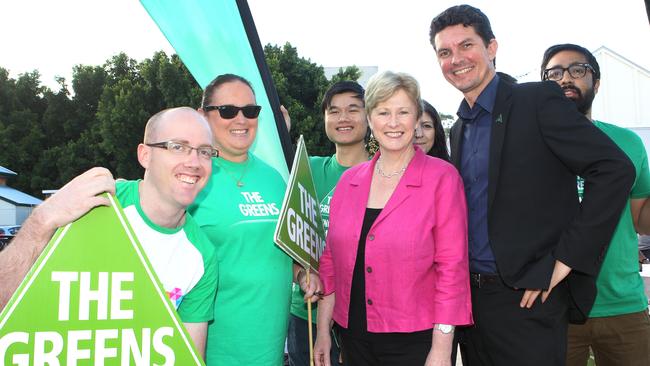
(88, 85)
(134, 93)
(7, 94)
(300, 84)
(59, 119)
(99, 119)
(22, 105)
(22, 131)
(122, 115)
(29, 93)
(352, 73)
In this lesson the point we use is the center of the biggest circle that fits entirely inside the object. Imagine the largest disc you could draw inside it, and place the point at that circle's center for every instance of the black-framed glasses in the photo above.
(179, 148)
(577, 71)
(229, 111)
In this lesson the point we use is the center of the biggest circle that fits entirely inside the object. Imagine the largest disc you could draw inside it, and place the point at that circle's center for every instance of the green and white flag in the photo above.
(92, 298)
(300, 231)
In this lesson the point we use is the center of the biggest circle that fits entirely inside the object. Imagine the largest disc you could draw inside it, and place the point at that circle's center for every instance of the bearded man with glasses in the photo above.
(618, 328)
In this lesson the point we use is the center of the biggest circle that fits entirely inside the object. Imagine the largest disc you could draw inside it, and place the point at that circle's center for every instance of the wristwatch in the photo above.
(445, 328)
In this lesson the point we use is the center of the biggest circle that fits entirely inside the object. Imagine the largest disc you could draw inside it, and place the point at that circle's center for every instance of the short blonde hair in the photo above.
(382, 86)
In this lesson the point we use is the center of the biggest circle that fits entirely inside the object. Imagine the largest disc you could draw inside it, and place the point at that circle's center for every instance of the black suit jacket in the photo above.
(539, 143)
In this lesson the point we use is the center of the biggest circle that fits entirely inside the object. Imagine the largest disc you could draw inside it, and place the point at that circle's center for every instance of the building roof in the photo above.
(17, 197)
(605, 50)
(4, 172)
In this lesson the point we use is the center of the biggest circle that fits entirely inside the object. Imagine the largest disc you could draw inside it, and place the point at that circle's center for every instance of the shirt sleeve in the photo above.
(326, 263)
(607, 172)
(452, 299)
(198, 304)
(641, 187)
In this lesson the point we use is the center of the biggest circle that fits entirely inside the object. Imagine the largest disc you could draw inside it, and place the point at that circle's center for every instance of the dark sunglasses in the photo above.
(230, 111)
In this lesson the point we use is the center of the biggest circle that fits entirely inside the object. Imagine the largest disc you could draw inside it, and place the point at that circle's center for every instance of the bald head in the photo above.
(177, 159)
(160, 122)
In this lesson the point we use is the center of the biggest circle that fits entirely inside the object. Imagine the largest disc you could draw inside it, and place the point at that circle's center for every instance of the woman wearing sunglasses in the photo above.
(238, 210)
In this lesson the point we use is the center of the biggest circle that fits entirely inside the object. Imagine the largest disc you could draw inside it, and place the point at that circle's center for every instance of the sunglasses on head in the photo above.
(230, 111)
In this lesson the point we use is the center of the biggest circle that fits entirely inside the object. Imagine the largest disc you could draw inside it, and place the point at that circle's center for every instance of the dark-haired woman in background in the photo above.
(430, 135)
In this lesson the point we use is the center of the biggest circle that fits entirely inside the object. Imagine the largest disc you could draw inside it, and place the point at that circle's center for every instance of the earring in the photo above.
(372, 146)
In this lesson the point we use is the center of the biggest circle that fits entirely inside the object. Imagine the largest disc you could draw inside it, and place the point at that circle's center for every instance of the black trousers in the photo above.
(506, 335)
(397, 352)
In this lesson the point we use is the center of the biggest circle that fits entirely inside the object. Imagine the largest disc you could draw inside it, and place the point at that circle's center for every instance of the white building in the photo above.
(15, 206)
(624, 94)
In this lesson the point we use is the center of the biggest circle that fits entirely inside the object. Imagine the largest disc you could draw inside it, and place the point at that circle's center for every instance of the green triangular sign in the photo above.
(300, 231)
(92, 298)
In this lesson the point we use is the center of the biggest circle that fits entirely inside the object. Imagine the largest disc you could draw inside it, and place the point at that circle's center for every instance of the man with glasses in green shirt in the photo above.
(618, 328)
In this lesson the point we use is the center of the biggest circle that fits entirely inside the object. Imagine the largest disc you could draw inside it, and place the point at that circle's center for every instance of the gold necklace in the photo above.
(389, 175)
(238, 181)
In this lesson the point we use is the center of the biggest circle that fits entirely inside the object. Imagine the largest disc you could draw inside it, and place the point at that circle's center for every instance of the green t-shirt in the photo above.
(183, 258)
(620, 287)
(253, 297)
(326, 172)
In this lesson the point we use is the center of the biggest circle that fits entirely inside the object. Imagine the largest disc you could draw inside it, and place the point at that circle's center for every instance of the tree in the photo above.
(7, 94)
(22, 105)
(300, 84)
(59, 119)
(122, 115)
(136, 92)
(55, 135)
(352, 73)
(88, 85)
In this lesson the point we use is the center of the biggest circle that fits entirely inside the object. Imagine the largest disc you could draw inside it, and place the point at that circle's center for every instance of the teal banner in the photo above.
(215, 37)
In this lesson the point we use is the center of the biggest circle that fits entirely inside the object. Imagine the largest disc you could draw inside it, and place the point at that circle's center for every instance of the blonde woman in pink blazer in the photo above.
(395, 268)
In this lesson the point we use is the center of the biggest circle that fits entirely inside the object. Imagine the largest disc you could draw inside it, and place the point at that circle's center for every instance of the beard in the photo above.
(583, 101)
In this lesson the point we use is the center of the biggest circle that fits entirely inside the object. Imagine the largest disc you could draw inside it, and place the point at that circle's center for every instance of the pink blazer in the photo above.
(417, 271)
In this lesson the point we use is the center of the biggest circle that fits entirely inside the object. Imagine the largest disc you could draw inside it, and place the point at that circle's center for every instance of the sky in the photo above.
(53, 36)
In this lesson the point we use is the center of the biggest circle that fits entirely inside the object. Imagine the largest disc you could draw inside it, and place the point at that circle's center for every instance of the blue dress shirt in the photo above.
(475, 159)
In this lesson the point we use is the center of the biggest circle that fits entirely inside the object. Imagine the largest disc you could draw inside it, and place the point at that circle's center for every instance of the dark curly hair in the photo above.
(466, 15)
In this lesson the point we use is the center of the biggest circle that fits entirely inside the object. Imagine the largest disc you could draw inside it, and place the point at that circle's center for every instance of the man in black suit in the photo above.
(534, 249)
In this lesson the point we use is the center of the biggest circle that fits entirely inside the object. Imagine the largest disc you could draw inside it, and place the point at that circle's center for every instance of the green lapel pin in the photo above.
(499, 119)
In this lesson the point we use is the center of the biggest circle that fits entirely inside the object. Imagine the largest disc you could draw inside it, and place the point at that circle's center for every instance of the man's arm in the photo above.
(640, 208)
(287, 118)
(199, 333)
(314, 289)
(639, 202)
(68, 204)
(608, 174)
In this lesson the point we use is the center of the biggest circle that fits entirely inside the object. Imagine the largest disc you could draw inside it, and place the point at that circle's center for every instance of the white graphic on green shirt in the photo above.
(325, 209)
(255, 206)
